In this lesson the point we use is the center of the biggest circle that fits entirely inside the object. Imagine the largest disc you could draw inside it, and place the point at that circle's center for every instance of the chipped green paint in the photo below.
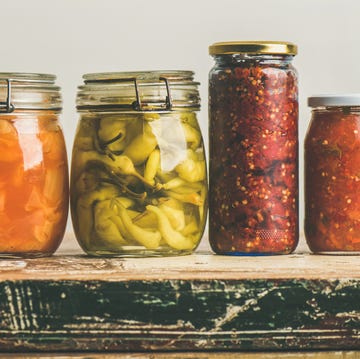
(257, 314)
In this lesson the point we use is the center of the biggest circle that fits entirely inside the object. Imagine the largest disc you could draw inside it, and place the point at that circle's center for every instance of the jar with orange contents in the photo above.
(33, 166)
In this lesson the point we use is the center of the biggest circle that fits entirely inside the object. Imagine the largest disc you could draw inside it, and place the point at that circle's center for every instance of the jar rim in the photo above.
(28, 77)
(335, 100)
(146, 76)
(253, 47)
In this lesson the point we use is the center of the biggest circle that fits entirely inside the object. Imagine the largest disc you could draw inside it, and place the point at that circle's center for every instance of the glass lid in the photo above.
(28, 91)
(138, 91)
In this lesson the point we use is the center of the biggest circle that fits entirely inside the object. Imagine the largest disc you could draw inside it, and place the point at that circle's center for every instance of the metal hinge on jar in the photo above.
(138, 105)
(7, 106)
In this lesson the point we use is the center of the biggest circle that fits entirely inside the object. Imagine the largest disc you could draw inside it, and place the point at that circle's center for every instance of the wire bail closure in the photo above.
(7, 106)
(138, 91)
(138, 105)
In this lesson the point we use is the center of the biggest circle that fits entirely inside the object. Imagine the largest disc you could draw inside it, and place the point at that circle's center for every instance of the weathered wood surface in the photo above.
(197, 355)
(194, 303)
(202, 265)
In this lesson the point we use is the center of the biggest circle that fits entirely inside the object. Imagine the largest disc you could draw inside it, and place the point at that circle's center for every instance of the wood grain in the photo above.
(200, 302)
(202, 265)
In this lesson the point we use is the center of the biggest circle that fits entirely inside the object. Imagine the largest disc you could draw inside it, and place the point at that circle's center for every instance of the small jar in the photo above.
(253, 140)
(138, 178)
(332, 175)
(34, 189)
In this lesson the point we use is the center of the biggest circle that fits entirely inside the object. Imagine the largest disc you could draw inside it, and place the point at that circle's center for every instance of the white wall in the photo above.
(73, 37)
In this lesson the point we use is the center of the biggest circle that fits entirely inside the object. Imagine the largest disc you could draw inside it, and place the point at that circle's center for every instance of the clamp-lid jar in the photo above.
(33, 166)
(138, 179)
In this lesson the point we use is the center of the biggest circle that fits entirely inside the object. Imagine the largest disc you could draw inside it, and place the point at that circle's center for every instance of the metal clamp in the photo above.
(168, 99)
(137, 104)
(7, 106)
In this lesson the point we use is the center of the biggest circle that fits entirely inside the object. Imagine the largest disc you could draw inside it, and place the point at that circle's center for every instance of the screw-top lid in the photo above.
(138, 91)
(253, 47)
(28, 91)
(334, 100)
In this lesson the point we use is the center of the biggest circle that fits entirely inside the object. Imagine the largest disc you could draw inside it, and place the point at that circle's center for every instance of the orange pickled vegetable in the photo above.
(33, 185)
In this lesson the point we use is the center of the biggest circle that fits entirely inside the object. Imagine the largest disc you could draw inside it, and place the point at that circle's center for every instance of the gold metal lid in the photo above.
(253, 47)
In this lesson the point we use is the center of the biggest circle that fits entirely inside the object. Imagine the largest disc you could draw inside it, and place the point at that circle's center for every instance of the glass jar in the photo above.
(138, 178)
(332, 175)
(34, 189)
(253, 140)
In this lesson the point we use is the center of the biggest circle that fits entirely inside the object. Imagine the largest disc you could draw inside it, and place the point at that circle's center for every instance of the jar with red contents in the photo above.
(332, 175)
(253, 148)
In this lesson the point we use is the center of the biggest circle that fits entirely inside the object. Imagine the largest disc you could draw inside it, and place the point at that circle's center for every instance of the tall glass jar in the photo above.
(138, 178)
(253, 130)
(332, 175)
(34, 189)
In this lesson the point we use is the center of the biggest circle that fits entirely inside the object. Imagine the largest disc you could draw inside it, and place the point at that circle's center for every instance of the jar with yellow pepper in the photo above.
(138, 177)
